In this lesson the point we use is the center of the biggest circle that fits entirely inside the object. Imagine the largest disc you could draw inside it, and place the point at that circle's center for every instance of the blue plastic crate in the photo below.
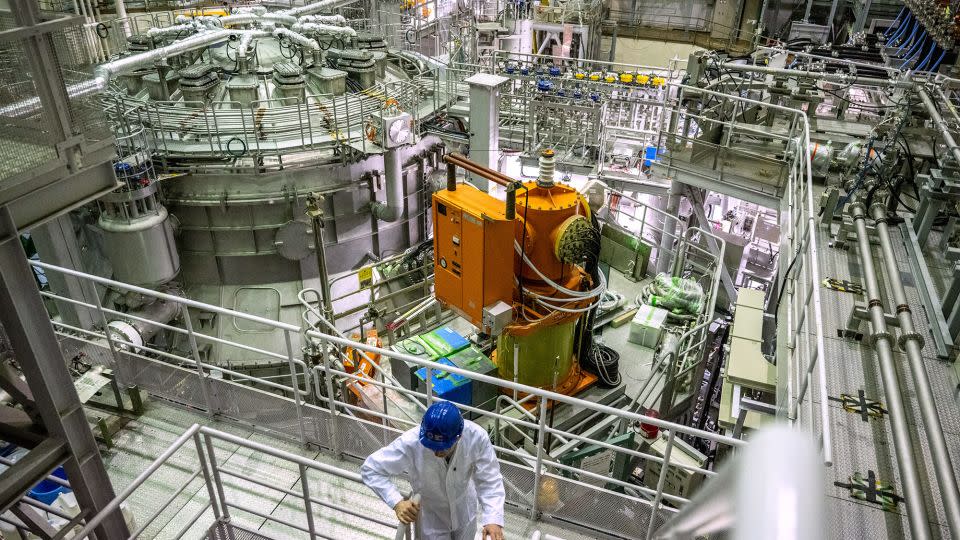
(448, 386)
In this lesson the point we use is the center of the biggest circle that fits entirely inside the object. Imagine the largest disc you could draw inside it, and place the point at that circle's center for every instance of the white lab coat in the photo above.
(449, 491)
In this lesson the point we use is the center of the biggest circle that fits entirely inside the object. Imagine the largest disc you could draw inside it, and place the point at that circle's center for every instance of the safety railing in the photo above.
(538, 483)
(224, 486)
(256, 136)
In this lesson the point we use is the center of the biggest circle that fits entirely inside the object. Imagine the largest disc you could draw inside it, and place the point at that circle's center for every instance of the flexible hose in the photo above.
(937, 63)
(909, 40)
(926, 60)
(604, 362)
(902, 29)
(896, 20)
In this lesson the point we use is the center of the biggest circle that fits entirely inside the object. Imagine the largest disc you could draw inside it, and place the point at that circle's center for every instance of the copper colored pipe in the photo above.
(496, 177)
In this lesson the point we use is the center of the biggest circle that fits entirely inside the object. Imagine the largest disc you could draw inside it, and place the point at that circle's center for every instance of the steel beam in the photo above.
(22, 475)
(928, 293)
(725, 279)
(31, 336)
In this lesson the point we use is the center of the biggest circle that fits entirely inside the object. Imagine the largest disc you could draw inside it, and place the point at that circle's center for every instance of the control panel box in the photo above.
(473, 251)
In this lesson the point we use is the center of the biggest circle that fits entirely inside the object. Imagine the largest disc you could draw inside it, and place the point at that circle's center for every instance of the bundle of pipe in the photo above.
(191, 26)
(250, 18)
(325, 29)
(297, 38)
(335, 20)
(315, 7)
(896, 22)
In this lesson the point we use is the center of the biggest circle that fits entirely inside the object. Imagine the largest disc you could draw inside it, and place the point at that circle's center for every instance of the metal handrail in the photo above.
(212, 473)
(540, 466)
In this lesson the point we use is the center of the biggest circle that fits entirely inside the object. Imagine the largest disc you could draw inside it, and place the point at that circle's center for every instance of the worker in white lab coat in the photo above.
(452, 465)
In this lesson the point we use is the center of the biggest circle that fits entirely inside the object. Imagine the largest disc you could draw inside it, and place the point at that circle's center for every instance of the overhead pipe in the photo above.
(883, 346)
(192, 26)
(204, 39)
(315, 7)
(842, 78)
(911, 343)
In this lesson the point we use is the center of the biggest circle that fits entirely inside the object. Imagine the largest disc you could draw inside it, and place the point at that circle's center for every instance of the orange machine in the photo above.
(477, 265)
(473, 251)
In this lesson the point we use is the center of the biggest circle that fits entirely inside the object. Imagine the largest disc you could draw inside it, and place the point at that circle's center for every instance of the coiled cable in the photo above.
(604, 362)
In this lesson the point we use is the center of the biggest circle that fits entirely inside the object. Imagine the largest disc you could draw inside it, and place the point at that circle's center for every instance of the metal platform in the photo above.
(862, 442)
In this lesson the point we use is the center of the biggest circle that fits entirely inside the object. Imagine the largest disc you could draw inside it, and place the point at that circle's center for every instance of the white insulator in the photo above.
(548, 165)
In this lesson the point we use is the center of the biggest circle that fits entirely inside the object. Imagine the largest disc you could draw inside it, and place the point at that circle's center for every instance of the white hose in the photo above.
(580, 294)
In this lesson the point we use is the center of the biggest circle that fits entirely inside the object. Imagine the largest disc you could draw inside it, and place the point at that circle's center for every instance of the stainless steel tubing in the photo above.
(883, 345)
(833, 77)
(940, 124)
(911, 342)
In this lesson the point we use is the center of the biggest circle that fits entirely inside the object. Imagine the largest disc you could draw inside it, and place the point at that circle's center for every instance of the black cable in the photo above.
(604, 362)
(786, 275)
(523, 244)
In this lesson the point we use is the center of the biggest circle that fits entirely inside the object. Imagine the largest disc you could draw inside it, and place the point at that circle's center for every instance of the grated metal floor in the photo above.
(143, 439)
(863, 445)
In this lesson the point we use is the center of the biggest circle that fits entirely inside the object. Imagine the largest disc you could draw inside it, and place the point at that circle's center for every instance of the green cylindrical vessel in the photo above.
(541, 353)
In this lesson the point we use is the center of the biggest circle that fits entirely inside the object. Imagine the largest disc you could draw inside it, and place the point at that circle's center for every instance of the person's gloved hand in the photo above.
(492, 531)
(407, 511)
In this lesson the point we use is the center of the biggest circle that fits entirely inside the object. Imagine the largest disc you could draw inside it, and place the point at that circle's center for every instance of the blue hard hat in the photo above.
(441, 427)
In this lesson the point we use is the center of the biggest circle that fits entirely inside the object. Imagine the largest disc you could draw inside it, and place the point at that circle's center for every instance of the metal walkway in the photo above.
(862, 436)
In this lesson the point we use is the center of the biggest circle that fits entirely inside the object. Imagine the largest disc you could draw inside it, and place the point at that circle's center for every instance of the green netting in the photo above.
(680, 296)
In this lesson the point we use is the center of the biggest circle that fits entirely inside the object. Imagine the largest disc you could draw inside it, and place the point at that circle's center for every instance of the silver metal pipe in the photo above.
(940, 124)
(30, 106)
(754, 496)
(819, 75)
(242, 50)
(326, 29)
(335, 20)
(911, 343)
(883, 345)
(297, 38)
(315, 7)
(191, 26)
(393, 174)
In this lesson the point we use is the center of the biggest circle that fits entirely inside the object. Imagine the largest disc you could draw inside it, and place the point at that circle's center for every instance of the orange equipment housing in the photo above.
(473, 251)
(476, 265)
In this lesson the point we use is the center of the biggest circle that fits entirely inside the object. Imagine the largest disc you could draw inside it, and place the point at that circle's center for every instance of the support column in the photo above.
(484, 122)
(670, 223)
(57, 244)
(35, 345)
